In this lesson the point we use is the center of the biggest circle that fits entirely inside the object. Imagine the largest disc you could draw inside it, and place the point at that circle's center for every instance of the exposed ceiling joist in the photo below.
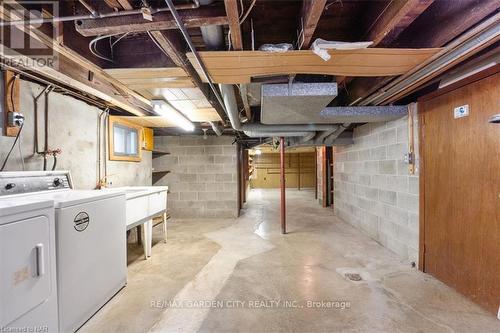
(171, 44)
(395, 18)
(311, 13)
(450, 29)
(234, 24)
(75, 70)
(125, 4)
(162, 21)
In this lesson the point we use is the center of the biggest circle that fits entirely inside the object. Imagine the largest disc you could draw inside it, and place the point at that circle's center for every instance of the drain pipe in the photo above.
(95, 15)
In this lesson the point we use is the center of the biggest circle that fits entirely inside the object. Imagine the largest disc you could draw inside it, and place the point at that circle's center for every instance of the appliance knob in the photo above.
(10, 186)
(57, 182)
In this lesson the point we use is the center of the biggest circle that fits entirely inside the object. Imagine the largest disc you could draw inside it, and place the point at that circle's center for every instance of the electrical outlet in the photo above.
(15, 119)
(408, 158)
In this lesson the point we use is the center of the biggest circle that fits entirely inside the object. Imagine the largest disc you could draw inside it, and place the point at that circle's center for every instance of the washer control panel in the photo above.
(31, 182)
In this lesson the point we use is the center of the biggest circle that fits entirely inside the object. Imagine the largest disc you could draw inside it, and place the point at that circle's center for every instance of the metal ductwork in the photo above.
(254, 134)
(295, 103)
(329, 140)
(288, 128)
(361, 114)
(229, 99)
(213, 36)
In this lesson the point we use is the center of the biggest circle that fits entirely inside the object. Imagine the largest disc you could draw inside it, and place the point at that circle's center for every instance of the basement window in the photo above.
(124, 140)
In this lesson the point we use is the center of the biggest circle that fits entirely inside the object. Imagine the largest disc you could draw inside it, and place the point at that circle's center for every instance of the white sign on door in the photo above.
(461, 111)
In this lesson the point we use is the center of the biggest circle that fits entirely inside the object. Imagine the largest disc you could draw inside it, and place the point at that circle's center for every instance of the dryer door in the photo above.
(24, 267)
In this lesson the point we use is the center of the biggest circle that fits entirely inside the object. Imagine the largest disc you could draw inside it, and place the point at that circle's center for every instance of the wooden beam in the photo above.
(311, 13)
(234, 24)
(125, 4)
(396, 18)
(162, 21)
(134, 102)
(469, 14)
(233, 67)
(11, 100)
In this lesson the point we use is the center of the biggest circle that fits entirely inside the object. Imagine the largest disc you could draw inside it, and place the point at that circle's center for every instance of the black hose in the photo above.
(12, 148)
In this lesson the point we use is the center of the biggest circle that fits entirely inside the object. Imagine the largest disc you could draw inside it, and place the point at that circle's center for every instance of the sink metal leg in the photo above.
(165, 226)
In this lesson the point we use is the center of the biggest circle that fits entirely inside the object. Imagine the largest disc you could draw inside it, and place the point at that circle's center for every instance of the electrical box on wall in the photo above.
(12, 119)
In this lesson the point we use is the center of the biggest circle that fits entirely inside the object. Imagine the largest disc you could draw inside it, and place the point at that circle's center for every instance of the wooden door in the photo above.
(460, 191)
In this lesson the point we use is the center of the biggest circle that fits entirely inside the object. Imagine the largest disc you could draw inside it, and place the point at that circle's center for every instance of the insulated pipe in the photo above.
(275, 134)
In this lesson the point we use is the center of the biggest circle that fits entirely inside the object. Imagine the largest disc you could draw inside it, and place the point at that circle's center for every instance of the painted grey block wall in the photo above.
(203, 178)
(73, 129)
(373, 189)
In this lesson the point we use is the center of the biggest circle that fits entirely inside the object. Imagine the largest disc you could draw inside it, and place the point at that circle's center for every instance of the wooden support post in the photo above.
(283, 185)
(11, 100)
(316, 174)
(298, 157)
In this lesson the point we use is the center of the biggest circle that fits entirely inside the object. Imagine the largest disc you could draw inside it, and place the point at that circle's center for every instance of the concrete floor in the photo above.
(262, 281)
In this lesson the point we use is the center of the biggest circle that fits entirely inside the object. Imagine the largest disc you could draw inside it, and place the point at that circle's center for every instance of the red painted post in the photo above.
(283, 185)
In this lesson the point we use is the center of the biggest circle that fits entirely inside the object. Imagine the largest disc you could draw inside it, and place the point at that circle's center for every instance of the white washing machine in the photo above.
(90, 243)
(28, 289)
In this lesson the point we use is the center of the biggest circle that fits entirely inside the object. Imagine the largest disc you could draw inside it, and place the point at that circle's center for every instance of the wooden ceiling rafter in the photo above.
(458, 24)
(77, 72)
(395, 18)
(311, 13)
(193, 18)
(233, 18)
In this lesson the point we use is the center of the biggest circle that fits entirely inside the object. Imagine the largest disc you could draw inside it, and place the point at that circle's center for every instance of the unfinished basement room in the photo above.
(250, 166)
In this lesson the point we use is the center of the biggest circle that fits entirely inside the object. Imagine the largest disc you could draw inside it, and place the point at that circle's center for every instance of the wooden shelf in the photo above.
(161, 171)
(157, 153)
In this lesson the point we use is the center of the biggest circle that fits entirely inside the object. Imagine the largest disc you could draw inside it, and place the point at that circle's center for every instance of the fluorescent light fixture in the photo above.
(162, 108)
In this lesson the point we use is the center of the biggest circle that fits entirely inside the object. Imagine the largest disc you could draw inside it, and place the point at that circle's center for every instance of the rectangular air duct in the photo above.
(295, 103)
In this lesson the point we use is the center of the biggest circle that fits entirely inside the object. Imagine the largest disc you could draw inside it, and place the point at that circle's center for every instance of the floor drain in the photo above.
(353, 276)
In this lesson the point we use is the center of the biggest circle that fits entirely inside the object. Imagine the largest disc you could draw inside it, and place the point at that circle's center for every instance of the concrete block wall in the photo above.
(373, 188)
(203, 177)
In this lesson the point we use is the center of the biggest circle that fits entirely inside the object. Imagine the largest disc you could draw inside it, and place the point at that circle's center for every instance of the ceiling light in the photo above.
(162, 108)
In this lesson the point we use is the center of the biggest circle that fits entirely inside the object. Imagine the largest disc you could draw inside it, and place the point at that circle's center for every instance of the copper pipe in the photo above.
(283, 185)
